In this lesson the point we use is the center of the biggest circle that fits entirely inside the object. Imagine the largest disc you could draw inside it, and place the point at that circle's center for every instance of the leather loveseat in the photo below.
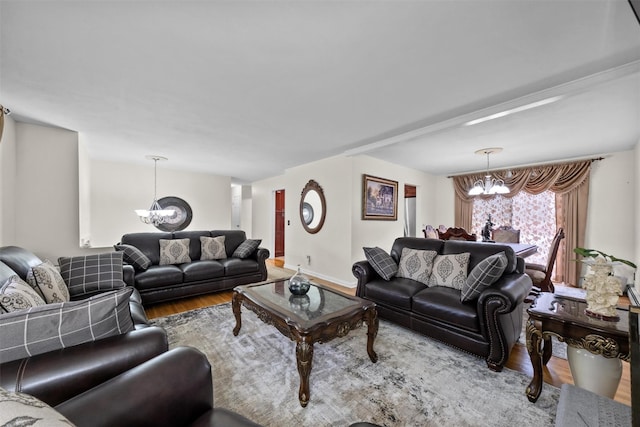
(487, 326)
(159, 283)
(56, 376)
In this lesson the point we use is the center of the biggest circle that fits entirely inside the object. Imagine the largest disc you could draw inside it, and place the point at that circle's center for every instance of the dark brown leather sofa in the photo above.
(160, 283)
(487, 327)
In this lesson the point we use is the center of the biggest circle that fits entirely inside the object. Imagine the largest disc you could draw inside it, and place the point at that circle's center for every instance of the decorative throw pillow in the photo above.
(134, 256)
(50, 282)
(174, 251)
(381, 262)
(450, 270)
(20, 409)
(416, 264)
(16, 294)
(246, 248)
(92, 273)
(54, 326)
(483, 275)
(212, 247)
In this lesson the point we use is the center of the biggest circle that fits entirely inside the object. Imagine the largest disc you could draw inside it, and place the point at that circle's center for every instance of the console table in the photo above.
(563, 317)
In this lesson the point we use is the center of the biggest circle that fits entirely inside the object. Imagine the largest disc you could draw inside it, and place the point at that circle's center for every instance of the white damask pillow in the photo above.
(212, 247)
(50, 282)
(16, 294)
(174, 251)
(450, 270)
(416, 264)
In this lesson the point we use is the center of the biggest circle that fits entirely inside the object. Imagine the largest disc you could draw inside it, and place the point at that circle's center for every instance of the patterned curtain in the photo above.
(570, 183)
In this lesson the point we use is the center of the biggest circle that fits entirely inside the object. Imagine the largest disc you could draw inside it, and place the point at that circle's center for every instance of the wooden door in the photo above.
(279, 232)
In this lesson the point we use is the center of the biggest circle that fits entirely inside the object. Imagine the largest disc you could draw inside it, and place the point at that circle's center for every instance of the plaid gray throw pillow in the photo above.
(134, 256)
(483, 275)
(92, 273)
(54, 326)
(381, 262)
(246, 248)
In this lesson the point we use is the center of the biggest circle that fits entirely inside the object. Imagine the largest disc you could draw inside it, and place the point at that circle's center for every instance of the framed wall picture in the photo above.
(379, 198)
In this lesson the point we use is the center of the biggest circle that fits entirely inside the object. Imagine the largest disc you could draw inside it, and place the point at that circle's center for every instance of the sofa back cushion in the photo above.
(148, 243)
(414, 243)
(19, 260)
(195, 246)
(233, 239)
(480, 251)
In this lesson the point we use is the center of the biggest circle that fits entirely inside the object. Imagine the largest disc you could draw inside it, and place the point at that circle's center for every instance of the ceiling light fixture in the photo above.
(514, 110)
(155, 214)
(489, 185)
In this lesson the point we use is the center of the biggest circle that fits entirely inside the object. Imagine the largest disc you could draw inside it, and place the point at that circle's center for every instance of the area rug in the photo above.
(416, 381)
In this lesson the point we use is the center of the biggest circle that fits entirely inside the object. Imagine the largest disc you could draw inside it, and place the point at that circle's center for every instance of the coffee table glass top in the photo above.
(318, 302)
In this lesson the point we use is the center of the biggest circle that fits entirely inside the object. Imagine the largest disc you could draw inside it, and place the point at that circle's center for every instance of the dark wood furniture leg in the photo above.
(371, 318)
(236, 303)
(304, 357)
(534, 343)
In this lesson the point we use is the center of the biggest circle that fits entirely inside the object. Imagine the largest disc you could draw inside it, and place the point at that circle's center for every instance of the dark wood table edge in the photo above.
(351, 319)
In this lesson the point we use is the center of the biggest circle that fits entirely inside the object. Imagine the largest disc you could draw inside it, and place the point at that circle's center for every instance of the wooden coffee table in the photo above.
(319, 316)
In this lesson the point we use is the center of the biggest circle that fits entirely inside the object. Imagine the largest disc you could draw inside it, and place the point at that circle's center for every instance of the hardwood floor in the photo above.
(556, 372)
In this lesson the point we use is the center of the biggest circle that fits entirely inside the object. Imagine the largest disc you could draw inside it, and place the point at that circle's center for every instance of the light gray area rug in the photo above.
(416, 381)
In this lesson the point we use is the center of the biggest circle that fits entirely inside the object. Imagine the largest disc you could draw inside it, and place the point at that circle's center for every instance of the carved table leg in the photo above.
(236, 302)
(534, 343)
(371, 317)
(546, 350)
(304, 357)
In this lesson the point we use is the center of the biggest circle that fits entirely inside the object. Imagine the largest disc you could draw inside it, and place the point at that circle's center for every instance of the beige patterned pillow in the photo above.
(450, 270)
(212, 247)
(16, 294)
(416, 264)
(24, 409)
(50, 282)
(174, 251)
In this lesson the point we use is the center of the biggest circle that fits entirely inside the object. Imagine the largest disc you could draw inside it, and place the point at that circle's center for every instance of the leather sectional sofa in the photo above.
(488, 326)
(159, 283)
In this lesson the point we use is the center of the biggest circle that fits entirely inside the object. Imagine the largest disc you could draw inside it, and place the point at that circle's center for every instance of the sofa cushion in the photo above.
(174, 251)
(450, 270)
(479, 251)
(48, 279)
(134, 256)
(246, 248)
(381, 262)
(202, 270)
(159, 276)
(212, 248)
(90, 274)
(16, 294)
(483, 275)
(20, 409)
(232, 239)
(398, 294)
(416, 264)
(59, 325)
(238, 266)
(194, 241)
(147, 243)
(443, 304)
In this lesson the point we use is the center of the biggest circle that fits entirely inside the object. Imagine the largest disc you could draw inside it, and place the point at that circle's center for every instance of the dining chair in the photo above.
(430, 232)
(541, 274)
(505, 234)
(456, 233)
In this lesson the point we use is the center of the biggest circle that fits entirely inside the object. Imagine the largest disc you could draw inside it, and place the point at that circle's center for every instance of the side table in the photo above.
(564, 318)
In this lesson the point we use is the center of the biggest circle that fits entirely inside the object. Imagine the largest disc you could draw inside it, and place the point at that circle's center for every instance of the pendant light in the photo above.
(489, 185)
(155, 215)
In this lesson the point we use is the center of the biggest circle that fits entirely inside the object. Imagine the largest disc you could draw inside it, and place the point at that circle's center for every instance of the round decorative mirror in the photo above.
(312, 207)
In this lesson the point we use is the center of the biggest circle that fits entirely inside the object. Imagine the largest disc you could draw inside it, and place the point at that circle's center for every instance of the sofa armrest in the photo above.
(172, 389)
(512, 289)
(261, 255)
(536, 267)
(129, 275)
(364, 272)
(56, 376)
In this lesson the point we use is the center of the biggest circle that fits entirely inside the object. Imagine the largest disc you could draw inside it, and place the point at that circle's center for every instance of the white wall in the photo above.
(7, 183)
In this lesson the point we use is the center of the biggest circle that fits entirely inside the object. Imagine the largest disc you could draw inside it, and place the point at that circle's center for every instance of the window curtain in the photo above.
(570, 182)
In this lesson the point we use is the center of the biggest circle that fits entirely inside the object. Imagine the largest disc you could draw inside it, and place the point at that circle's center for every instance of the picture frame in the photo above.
(379, 198)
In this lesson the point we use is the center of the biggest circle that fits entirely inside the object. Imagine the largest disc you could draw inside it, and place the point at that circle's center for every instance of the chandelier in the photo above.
(488, 185)
(155, 214)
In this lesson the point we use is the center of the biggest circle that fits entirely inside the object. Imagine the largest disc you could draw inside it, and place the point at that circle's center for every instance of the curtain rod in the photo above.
(594, 159)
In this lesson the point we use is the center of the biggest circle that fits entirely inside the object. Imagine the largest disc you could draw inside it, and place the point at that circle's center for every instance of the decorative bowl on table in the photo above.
(299, 283)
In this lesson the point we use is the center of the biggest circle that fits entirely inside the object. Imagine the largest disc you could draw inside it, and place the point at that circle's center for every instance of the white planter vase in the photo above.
(593, 372)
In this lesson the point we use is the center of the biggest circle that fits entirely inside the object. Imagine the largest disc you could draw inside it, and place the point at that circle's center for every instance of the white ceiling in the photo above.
(249, 88)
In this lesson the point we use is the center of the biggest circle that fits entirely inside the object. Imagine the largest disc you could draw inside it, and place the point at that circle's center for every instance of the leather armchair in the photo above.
(173, 389)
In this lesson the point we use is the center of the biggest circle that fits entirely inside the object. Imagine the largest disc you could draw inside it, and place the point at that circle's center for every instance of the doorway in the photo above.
(278, 248)
(409, 210)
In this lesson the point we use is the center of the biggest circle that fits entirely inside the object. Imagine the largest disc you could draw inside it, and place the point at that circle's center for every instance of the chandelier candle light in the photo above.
(155, 214)
(489, 185)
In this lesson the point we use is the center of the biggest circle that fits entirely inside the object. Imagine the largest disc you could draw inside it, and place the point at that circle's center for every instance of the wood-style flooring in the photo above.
(556, 372)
